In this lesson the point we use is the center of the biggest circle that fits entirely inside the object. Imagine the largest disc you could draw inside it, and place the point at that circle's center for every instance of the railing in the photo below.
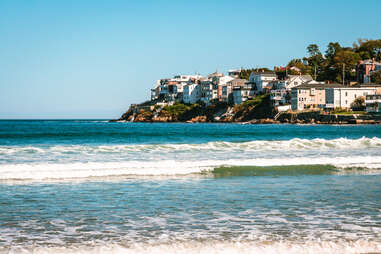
(277, 115)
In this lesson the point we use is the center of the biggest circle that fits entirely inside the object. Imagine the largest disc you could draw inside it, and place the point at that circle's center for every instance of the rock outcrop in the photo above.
(256, 111)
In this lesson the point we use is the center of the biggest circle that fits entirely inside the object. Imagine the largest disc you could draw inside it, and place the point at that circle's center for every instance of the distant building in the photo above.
(296, 80)
(262, 80)
(365, 68)
(343, 97)
(280, 97)
(171, 90)
(373, 103)
(234, 73)
(243, 93)
(191, 93)
(328, 96)
(222, 90)
(215, 75)
(310, 96)
(235, 90)
(206, 89)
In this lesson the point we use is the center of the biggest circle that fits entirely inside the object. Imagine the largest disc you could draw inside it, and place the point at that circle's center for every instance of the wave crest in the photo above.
(257, 145)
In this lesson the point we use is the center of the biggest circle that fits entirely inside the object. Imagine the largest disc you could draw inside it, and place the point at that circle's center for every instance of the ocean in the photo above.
(90, 186)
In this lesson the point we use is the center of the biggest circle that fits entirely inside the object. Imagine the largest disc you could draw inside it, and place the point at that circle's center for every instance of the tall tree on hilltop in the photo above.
(313, 50)
(369, 49)
(315, 60)
(348, 60)
(332, 49)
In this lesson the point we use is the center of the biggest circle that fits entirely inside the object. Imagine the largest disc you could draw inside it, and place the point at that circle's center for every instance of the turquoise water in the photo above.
(98, 187)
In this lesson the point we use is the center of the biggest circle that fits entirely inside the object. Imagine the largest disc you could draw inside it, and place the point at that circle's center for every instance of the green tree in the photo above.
(369, 49)
(376, 77)
(313, 50)
(315, 60)
(358, 104)
(332, 49)
(245, 73)
(298, 63)
(348, 60)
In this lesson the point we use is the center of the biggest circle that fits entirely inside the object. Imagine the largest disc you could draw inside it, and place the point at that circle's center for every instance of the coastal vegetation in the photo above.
(330, 65)
(376, 77)
(257, 108)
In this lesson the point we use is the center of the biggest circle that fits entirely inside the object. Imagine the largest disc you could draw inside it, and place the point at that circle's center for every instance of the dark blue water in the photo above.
(20, 132)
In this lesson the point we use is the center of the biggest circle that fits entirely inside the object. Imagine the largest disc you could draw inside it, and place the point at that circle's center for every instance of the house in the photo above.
(215, 75)
(236, 84)
(234, 73)
(373, 103)
(222, 87)
(207, 93)
(280, 97)
(328, 96)
(310, 96)
(280, 94)
(160, 90)
(191, 92)
(243, 92)
(171, 90)
(262, 80)
(295, 80)
(365, 68)
(343, 97)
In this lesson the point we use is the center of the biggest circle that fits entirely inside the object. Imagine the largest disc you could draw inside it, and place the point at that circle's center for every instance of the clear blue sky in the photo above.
(92, 58)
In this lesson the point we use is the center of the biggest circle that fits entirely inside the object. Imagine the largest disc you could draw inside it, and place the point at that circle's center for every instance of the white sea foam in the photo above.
(258, 145)
(171, 167)
(84, 161)
(210, 247)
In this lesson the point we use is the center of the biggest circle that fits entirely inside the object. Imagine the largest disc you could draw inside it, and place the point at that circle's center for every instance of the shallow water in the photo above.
(93, 186)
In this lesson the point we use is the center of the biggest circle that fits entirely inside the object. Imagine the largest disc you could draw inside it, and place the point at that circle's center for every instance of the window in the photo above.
(355, 96)
(346, 94)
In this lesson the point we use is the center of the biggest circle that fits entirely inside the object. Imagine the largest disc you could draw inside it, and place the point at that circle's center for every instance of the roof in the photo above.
(237, 80)
(268, 74)
(305, 77)
(216, 74)
(237, 70)
(367, 85)
(321, 86)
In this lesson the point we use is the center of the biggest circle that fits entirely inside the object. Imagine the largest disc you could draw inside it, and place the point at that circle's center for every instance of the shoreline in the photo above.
(268, 121)
(259, 111)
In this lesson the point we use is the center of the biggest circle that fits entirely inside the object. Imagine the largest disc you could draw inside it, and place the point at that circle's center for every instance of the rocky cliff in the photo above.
(252, 110)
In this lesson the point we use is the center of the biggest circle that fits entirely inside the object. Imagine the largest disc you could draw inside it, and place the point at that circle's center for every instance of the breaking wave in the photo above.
(85, 161)
(260, 166)
(258, 145)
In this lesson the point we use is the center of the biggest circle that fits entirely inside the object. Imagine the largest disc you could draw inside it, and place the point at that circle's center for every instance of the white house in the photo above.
(296, 80)
(343, 97)
(222, 89)
(234, 73)
(182, 80)
(191, 93)
(262, 80)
